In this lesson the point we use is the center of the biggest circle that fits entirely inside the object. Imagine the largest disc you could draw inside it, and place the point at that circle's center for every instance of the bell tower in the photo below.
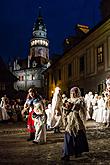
(39, 44)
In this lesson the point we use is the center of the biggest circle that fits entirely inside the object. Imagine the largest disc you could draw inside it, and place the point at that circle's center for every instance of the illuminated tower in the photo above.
(30, 70)
(39, 44)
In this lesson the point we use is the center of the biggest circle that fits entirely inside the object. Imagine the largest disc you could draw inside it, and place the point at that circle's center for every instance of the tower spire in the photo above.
(39, 42)
(39, 25)
(39, 12)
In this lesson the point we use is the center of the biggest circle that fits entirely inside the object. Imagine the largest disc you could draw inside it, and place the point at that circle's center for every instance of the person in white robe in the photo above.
(95, 106)
(88, 101)
(101, 107)
(3, 105)
(48, 113)
(56, 114)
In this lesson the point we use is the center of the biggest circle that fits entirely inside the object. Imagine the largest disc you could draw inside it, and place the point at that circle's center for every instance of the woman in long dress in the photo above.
(39, 117)
(32, 98)
(3, 105)
(75, 141)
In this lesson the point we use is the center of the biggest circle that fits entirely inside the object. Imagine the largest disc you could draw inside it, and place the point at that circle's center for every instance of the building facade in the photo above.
(7, 80)
(29, 70)
(86, 64)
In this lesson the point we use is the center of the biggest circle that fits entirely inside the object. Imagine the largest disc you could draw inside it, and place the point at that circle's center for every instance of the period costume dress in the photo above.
(75, 141)
(95, 106)
(88, 100)
(3, 108)
(56, 113)
(39, 117)
(48, 113)
(30, 122)
(28, 109)
(100, 110)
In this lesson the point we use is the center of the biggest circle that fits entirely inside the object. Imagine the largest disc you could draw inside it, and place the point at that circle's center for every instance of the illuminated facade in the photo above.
(86, 64)
(29, 71)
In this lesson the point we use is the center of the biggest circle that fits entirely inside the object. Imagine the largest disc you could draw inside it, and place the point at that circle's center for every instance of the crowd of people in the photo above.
(98, 108)
(60, 113)
(10, 110)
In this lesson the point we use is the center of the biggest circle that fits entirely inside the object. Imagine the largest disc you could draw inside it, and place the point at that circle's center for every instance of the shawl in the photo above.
(75, 117)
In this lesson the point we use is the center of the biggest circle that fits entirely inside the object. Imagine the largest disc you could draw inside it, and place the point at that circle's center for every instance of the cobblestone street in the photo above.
(14, 149)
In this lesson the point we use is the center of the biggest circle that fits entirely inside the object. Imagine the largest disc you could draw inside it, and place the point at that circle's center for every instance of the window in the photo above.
(29, 76)
(69, 70)
(33, 77)
(59, 74)
(21, 78)
(34, 64)
(82, 64)
(100, 54)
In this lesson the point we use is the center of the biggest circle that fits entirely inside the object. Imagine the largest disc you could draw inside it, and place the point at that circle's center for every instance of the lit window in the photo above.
(35, 42)
(46, 43)
(34, 64)
(33, 77)
(21, 78)
(100, 54)
(29, 76)
(43, 42)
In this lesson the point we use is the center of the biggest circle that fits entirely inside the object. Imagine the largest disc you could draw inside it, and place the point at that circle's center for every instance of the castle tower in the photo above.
(39, 44)
(30, 71)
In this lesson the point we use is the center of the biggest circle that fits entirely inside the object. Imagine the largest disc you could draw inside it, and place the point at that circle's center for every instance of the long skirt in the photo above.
(74, 145)
(5, 115)
(40, 127)
(30, 123)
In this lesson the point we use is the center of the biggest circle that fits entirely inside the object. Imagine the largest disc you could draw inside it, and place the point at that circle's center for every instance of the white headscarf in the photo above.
(74, 89)
(55, 100)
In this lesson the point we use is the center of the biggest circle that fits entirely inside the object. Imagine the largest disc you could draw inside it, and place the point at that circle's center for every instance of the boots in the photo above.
(32, 136)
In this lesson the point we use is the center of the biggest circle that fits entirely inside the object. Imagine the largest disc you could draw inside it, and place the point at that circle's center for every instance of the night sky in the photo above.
(17, 18)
